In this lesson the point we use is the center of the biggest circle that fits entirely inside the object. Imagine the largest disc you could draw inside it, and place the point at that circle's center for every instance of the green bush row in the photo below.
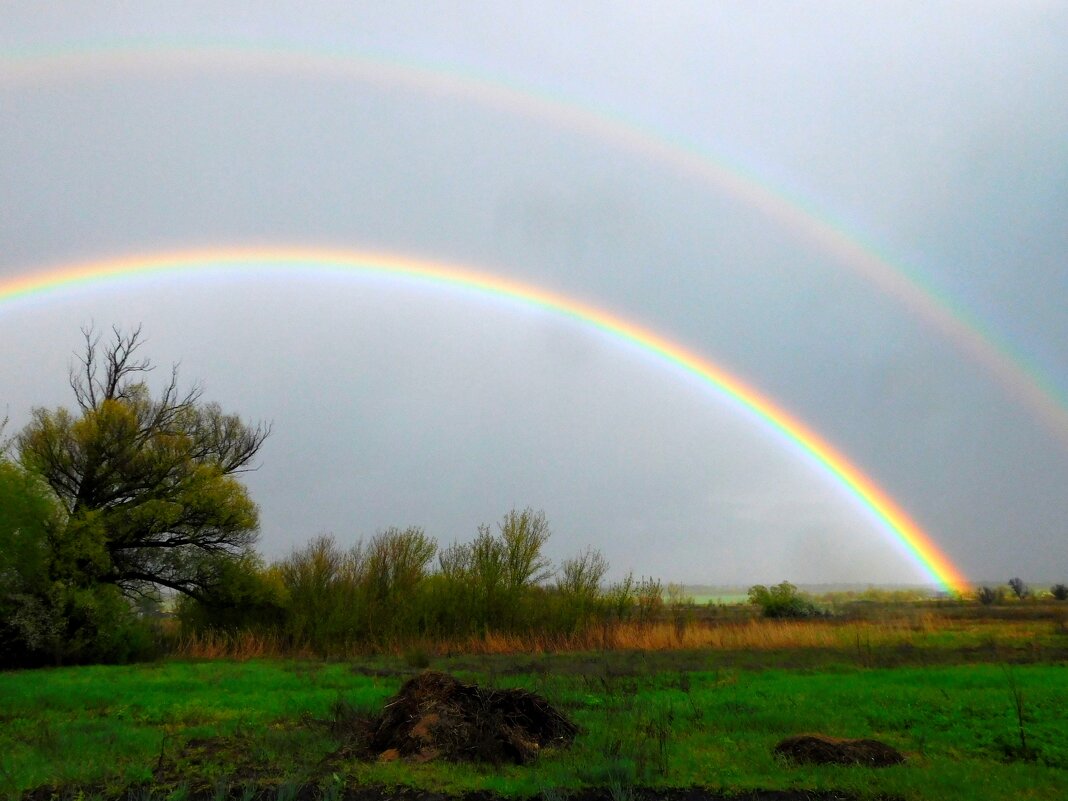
(400, 585)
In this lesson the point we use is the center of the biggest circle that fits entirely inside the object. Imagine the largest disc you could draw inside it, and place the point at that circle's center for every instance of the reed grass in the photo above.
(926, 630)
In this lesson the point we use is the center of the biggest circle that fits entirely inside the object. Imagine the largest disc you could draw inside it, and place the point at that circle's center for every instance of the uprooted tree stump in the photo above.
(823, 750)
(436, 716)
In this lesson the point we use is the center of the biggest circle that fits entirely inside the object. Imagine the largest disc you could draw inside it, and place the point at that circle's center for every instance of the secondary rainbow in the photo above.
(1020, 381)
(916, 542)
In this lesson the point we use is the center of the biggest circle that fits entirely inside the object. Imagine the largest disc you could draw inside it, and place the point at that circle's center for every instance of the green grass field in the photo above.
(213, 729)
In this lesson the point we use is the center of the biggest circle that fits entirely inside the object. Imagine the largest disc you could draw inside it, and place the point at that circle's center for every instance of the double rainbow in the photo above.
(920, 547)
(1023, 383)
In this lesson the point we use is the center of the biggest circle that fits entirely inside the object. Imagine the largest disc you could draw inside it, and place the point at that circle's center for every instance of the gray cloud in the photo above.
(937, 134)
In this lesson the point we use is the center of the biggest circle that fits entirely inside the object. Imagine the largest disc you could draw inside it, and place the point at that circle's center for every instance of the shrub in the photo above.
(1059, 592)
(247, 597)
(987, 595)
(50, 610)
(579, 588)
(649, 598)
(783, 600)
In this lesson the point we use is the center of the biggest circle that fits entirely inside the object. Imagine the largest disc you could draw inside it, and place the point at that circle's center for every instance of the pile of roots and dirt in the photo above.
(435, 716)
(823, 750)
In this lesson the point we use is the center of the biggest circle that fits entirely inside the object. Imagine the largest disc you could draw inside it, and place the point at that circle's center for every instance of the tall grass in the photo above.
(856, 638)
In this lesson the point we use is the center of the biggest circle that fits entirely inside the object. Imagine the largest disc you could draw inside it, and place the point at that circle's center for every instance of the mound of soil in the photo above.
(436, 716)
(823, 750)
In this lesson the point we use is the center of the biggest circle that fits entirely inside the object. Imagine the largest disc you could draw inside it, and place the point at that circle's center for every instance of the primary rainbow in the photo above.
(1020, 381)
(915, 541)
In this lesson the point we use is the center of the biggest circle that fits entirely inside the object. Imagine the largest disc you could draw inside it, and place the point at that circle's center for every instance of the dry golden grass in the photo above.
(922, 630)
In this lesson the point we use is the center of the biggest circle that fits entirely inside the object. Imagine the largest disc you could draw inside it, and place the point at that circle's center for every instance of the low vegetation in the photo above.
(126, 536)
(709, 718)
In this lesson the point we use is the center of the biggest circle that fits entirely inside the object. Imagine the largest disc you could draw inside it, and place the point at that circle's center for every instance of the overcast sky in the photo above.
(936, 133)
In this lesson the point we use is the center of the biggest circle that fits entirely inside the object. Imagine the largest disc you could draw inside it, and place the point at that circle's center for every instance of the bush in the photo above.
(1059, 592)
(987, 595)
(783, 600)
(74, 625)
(247, 597)
(50, 611)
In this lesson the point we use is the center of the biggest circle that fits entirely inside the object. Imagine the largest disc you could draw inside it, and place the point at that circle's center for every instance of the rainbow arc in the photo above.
(1019, 381)
(915, 541)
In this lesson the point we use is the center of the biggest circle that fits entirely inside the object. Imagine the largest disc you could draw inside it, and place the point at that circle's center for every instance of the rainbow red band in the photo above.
(916, 542)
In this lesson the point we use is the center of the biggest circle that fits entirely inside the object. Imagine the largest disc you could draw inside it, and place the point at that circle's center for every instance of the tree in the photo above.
(146, 485)
(524, 534)
(28, 621)
(1059, 592)
(987, 595)
(1019, 589)
(578, 586)
(49, 613)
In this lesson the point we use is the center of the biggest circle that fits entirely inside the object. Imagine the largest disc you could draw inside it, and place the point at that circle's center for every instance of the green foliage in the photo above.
(110, 502)
(1059, 592)
(248, 597)
(619, 599)
(269, 722)
(29, 516)
(146, 485)
(783, 600)
(649, 599)
(522, 537)
(50, 610)
(578, 586)
(385, 592)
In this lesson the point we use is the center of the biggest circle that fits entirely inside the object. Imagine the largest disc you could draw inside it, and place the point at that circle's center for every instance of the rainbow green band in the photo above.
(916, 542)
(1024, 384)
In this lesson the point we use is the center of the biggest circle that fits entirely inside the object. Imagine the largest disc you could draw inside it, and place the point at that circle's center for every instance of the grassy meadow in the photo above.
(976, 704)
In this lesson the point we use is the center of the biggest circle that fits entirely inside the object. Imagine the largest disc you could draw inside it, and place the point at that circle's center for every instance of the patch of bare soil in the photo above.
(435, 716)
(823, 750)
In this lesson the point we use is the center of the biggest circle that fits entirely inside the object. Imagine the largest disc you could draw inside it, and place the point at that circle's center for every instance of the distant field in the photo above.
(714, 598)
(708, 717)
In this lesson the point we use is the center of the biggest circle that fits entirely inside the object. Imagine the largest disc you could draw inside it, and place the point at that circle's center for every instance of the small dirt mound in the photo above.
(823, 750)
(436, 716)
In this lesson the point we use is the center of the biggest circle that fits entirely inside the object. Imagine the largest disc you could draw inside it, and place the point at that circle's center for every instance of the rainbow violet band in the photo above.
(916, 542)
(1020, 381)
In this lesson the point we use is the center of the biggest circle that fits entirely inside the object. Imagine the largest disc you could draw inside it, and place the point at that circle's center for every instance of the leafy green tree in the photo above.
(146, 486)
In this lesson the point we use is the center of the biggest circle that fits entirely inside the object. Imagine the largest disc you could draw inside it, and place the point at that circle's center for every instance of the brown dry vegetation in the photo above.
(925, 630)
